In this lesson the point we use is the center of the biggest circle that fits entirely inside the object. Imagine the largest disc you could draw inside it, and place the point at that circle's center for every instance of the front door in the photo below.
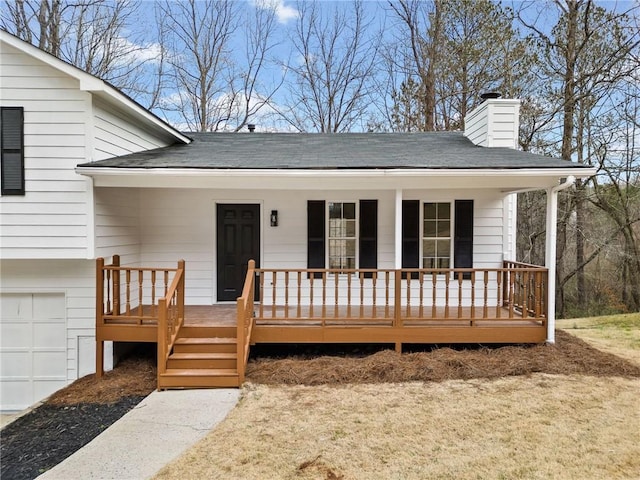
(238, 242)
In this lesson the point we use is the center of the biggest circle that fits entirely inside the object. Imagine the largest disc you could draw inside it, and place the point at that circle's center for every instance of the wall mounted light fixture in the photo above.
(274, 218)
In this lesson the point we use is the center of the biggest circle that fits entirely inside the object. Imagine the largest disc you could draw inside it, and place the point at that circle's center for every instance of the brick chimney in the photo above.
(494, 123)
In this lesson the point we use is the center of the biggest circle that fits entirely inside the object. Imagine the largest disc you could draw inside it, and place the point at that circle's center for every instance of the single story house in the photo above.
(114, 227)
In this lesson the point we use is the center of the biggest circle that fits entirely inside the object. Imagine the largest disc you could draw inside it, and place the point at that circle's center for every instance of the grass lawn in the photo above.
(617, 334)
(535, 426)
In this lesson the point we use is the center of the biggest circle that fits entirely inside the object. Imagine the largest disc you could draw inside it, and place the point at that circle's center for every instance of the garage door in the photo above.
(33, 353)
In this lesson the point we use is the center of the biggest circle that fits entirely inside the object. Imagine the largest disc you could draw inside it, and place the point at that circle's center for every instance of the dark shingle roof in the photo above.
(435, 150)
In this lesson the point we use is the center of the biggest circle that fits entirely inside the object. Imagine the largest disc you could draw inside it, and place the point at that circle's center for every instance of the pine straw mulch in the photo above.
(73, 416)
(569, 356)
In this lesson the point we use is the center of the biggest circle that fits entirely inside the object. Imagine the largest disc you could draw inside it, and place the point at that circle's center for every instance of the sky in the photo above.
(142, 33)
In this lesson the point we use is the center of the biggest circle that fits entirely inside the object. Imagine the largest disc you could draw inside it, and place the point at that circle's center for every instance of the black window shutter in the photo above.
(410, 234)
(12, 148)
(315, 234)
(368, 234)
(463, 235)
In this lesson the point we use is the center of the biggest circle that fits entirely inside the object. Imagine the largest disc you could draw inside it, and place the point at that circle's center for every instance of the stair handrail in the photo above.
(244, 305)
(170, 317)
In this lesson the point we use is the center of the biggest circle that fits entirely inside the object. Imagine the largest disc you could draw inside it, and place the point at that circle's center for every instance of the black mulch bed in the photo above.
(44, 437)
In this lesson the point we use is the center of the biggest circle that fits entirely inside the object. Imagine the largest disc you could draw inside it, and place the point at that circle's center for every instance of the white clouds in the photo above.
(283, 12)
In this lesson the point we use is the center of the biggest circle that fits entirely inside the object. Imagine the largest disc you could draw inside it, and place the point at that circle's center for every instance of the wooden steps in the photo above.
(202, 357)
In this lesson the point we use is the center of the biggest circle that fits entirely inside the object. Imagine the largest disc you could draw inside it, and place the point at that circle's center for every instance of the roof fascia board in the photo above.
(91, 84)
(344, 173)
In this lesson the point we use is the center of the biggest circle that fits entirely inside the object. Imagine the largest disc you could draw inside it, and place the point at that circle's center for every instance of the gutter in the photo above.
(550, 256)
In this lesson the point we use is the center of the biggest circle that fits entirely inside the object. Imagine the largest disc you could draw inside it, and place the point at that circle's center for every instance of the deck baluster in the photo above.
(473, 297)
(499, 296)
(140, 302)
(298, 310)
(460, 280)
(311, 279)
(434, 295)
(154, 307)
(108, 274)
(128, 292)
(421, 293)
(512, 287)
(485, 292)
(286, 294)
(336, 280)
(386, 294)
(349, 295)
(262, 274)
(273, 294)
(324, 298)
(446, 295)
(538, 295)
(361, 279)
(408, 304)
(166, 282)
(525, 295)
(374, 285)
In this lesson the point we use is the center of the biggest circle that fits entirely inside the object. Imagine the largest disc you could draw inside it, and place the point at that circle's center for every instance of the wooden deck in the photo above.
(208, 345)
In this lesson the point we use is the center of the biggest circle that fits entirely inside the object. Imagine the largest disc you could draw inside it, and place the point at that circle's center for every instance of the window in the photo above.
(428, 237)
(12, 150)
(342, 235)
(436, 235)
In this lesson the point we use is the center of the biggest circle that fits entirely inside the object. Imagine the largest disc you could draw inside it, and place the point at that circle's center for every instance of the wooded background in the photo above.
(402, 66)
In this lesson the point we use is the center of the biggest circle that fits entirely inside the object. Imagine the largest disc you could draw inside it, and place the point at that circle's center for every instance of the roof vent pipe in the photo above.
(251, 127)
(490, 95)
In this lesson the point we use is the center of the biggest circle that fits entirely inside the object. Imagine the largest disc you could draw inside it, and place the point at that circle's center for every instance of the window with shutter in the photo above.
(351, 239)
(438, 234)
(12, 150)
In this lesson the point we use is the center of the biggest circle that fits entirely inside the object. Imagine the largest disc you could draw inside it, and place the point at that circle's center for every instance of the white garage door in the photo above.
(33, 353)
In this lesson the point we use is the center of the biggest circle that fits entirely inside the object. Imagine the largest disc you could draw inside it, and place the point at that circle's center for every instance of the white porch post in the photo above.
(398, 228)
(550, 255)
(550, 262)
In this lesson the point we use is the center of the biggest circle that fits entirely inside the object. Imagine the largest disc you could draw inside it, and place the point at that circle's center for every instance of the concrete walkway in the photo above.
(155, 432)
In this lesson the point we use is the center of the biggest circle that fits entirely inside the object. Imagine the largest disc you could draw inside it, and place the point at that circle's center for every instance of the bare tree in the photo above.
(337, 55)
(199, 38)
(94, 35)
(416, 97)
(455, 50)
(583, 58)
(214, 88)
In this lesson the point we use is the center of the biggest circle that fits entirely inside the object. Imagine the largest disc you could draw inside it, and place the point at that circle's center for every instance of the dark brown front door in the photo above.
(238, 242)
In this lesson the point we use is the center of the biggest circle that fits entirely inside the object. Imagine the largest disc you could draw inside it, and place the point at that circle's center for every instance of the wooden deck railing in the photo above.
(128, 296)
(245, 310)
(405, 296)
(170, 318)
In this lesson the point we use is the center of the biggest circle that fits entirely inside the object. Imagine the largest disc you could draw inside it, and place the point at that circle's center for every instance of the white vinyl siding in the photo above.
(176, 224)
(117, 223)
(54, 143)
(116, 134)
